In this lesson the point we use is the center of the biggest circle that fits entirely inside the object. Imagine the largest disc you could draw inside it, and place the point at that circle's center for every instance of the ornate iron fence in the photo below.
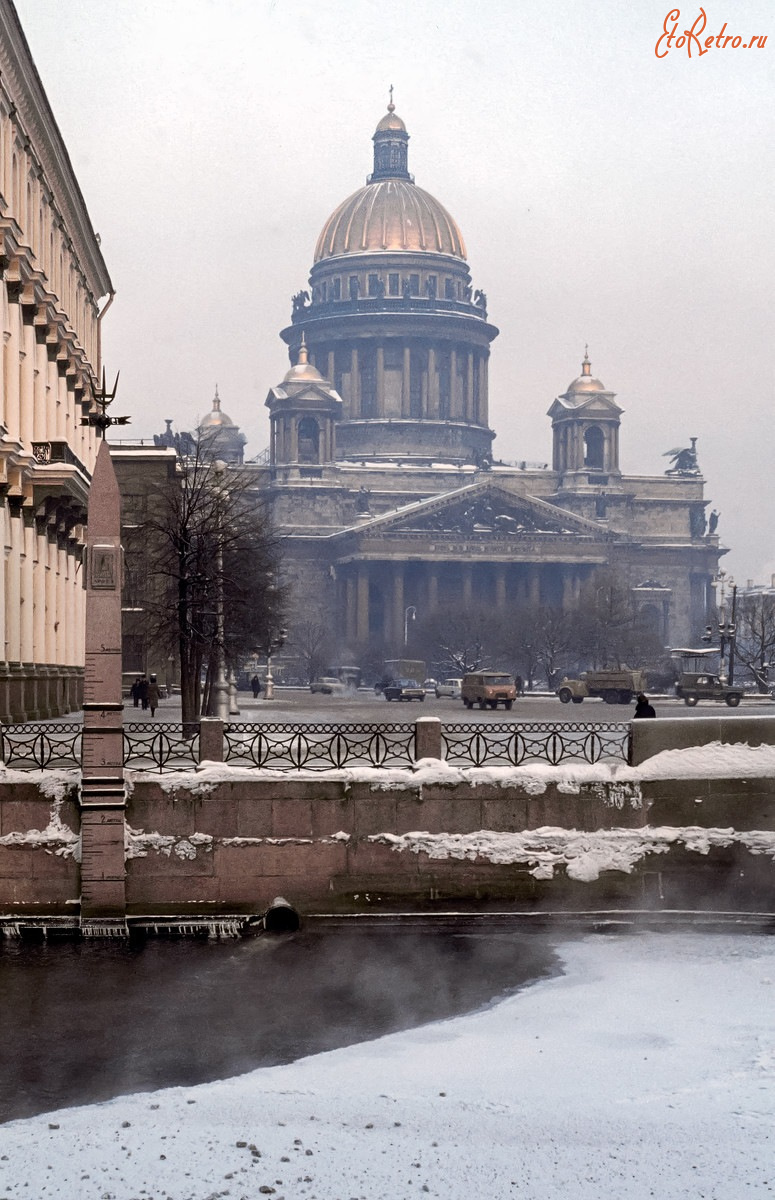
(156, 745)
(43, 747)
(295, 747)
(510, 745)
(319, 747)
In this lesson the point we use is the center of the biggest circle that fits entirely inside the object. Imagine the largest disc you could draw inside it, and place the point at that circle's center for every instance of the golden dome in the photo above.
(391, 121)
(585, 381)
(216, 418)
(303, 371)
(390, 215)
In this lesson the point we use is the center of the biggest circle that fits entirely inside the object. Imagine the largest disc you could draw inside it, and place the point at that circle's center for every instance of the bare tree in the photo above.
(755, 636)
(459, 639)
(311, 642)
(209, 545)
(608, 630)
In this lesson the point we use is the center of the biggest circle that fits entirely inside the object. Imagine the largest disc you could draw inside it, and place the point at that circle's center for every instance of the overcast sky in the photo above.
(606, 196)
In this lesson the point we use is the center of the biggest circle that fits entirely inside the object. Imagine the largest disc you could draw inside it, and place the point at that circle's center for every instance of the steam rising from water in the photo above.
(86, 1022)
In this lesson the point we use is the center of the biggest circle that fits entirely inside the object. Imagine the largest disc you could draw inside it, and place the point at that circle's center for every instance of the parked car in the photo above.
(403, 689)
(449, 687)
(328, 685)
(488, 687)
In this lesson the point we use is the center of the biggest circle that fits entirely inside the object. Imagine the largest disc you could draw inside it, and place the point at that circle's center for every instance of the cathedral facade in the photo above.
(381, 473)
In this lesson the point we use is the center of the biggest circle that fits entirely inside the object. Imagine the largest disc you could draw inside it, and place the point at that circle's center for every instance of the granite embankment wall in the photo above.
(228, 840)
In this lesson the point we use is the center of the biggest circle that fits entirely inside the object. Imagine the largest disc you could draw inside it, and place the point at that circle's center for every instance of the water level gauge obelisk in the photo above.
(103, 798)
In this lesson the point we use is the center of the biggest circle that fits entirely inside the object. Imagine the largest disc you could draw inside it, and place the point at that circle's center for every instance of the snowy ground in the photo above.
(646, 1070)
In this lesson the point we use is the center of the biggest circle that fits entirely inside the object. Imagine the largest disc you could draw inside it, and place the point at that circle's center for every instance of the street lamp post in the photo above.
(221, 683)
(409, 613)
(275, 642)
(727, 629)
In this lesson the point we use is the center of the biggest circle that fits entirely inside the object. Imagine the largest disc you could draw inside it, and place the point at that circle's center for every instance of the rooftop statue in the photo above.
(684, 460)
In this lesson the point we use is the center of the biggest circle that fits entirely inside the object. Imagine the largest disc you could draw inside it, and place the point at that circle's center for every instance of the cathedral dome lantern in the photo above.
(391, 318)
(585, 427)
(221, 436)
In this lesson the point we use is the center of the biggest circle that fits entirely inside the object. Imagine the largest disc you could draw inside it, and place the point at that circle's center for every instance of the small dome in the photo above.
(303, 371)
(391, 121)
(392, 214)
(216, 418)
(585, 382)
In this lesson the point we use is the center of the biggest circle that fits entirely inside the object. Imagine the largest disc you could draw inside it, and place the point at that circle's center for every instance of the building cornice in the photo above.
(22, 84)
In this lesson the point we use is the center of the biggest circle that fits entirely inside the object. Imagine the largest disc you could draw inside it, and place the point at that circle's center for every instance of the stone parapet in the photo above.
(678, 733)
(204, 844)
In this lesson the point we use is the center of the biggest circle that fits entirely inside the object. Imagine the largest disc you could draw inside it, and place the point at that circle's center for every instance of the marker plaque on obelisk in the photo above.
(103, 799)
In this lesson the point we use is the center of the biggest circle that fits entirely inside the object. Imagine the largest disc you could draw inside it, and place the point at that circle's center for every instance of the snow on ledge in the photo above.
(715, 760)
(584, 855)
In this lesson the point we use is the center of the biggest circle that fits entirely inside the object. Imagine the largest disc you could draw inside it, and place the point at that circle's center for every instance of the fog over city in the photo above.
(607, 197)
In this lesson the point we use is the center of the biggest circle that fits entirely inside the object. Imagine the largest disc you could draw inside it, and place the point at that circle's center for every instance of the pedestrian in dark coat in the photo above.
(134, 692)
(144, 692)
(643, 708)
(255, 683)
(153, 695)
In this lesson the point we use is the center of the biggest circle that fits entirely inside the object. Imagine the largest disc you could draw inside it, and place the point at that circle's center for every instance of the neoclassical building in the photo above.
(54, 290)
(381, 472)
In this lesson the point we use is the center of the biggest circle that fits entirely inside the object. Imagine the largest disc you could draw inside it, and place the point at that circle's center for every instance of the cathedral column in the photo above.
(350, 602)
(469, 411)
(454, 400)
(467, 585)
(433, 588)
(294, 456)
(362, 604)
(398, 604)
(534, 585)
(500, 585)
(406, 383)
(433, 385)
(568, 588)
(380, 380)
(330, 367)
(484, 367)
(355, 384)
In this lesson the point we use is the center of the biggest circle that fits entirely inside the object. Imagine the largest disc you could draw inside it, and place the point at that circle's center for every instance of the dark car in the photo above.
(403, 689)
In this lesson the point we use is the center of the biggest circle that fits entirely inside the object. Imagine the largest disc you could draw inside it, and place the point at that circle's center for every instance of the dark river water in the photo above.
(84, 1022)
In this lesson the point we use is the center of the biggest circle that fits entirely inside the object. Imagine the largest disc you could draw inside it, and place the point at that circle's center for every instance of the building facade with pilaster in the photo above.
(54, 290)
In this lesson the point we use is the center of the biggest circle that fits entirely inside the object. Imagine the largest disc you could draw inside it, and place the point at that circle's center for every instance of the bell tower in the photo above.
(585, 427)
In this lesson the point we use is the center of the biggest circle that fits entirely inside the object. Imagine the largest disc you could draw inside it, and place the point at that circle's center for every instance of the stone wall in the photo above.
(209, 845)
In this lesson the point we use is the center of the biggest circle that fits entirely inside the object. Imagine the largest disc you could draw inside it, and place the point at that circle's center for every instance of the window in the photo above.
(336, 288)
(393, 283)
(594, 447)
(309, 440)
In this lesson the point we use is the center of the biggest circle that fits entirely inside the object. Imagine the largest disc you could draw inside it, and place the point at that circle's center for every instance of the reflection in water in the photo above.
(84, 1022)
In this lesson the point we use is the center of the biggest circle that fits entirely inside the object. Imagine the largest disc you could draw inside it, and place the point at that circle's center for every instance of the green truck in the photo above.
(618, 686)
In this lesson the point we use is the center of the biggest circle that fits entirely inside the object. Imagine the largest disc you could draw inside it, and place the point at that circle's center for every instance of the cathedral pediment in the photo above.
(483, 510)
